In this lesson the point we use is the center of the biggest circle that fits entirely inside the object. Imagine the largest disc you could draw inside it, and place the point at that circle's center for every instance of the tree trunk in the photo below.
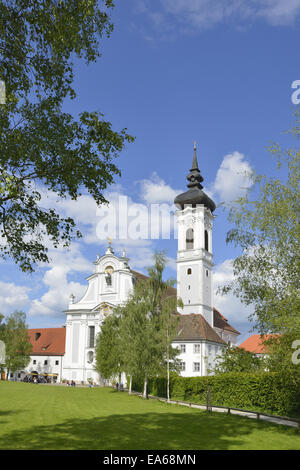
(145, 394)
(168, 367)
(130, 386)
(168, 385)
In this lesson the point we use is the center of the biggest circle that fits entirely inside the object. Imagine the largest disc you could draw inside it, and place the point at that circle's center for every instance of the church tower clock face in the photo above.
(109, 270)
(108, 276)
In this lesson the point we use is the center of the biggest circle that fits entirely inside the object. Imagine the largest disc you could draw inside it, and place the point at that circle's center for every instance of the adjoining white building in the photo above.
(202, 331)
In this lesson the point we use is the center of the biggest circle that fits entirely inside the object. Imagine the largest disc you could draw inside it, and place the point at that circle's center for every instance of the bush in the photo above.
(262, 391)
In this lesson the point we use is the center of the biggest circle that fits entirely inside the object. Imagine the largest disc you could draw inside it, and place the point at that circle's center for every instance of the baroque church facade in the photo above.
(202, 331)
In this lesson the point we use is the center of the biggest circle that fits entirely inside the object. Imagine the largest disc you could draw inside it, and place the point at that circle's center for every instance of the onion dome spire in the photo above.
(194, 177)
(194, 195)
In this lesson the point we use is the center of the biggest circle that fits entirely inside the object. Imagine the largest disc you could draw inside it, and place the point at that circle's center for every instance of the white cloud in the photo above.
(229, 305)
(155, 190)
(13, 297)
(232, 177)
(190, 15)
(279, 12)
(62, 265)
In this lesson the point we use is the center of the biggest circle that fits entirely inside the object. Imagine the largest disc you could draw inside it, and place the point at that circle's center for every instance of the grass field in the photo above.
(57, 417)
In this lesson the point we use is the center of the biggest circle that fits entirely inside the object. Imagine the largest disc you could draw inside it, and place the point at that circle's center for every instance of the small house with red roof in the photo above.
(255, 344)
(48, 350)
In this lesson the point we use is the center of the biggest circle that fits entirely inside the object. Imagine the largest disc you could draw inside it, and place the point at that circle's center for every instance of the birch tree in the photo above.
(266, 226)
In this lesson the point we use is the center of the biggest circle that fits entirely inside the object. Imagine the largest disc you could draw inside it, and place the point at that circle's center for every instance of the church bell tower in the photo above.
(194, 254)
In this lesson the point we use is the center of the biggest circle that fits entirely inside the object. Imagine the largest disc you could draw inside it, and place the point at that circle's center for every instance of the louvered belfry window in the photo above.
(190, 239)
(206, 240)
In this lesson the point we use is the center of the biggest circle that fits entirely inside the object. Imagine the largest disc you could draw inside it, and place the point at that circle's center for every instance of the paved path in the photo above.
(247, 414)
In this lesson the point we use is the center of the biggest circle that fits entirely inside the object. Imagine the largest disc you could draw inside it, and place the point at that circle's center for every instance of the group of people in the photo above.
(71, 384)
(37, 379)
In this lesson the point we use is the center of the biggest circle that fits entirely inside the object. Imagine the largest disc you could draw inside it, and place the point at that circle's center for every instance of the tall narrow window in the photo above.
(190, 239)
(206, 240)
(91, 343)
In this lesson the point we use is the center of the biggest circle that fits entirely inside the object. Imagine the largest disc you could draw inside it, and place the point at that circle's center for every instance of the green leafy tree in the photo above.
(137, 337)
(169, 332)
(284, 355)
(144, 348)
(41, 146)
(235, 359)
(266, 227)
(2, 327)
(134, 333)
(14, 333)
(109, 355)
(149, 326)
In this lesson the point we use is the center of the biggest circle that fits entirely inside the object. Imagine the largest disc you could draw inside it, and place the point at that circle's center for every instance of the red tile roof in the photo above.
(255, 344)
(47, 341)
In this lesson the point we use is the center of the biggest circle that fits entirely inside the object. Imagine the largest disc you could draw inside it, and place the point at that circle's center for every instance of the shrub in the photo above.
(265, 391)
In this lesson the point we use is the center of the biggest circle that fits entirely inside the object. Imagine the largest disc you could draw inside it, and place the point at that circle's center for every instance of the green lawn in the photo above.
(49, 417)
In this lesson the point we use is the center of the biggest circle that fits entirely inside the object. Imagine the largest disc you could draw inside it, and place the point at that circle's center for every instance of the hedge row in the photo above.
(267, 391)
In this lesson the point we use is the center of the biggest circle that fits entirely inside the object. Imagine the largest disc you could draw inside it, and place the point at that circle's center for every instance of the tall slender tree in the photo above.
(266, 275)
(109, 355)
(14, 334)
(145, 330)
(149, 326)
(267, 228)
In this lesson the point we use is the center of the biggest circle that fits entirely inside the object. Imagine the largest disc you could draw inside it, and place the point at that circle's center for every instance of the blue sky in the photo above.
(218, 72)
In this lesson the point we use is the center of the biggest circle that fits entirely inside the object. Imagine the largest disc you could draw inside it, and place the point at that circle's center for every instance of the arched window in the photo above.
(189, 239)
(189, 271)
(206, 240)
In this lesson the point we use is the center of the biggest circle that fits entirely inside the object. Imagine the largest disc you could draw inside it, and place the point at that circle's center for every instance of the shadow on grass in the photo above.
(3, 414)
(8, 412)
(144, 431)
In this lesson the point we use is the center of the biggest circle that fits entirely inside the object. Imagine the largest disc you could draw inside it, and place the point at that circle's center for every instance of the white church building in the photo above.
(202, 330)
